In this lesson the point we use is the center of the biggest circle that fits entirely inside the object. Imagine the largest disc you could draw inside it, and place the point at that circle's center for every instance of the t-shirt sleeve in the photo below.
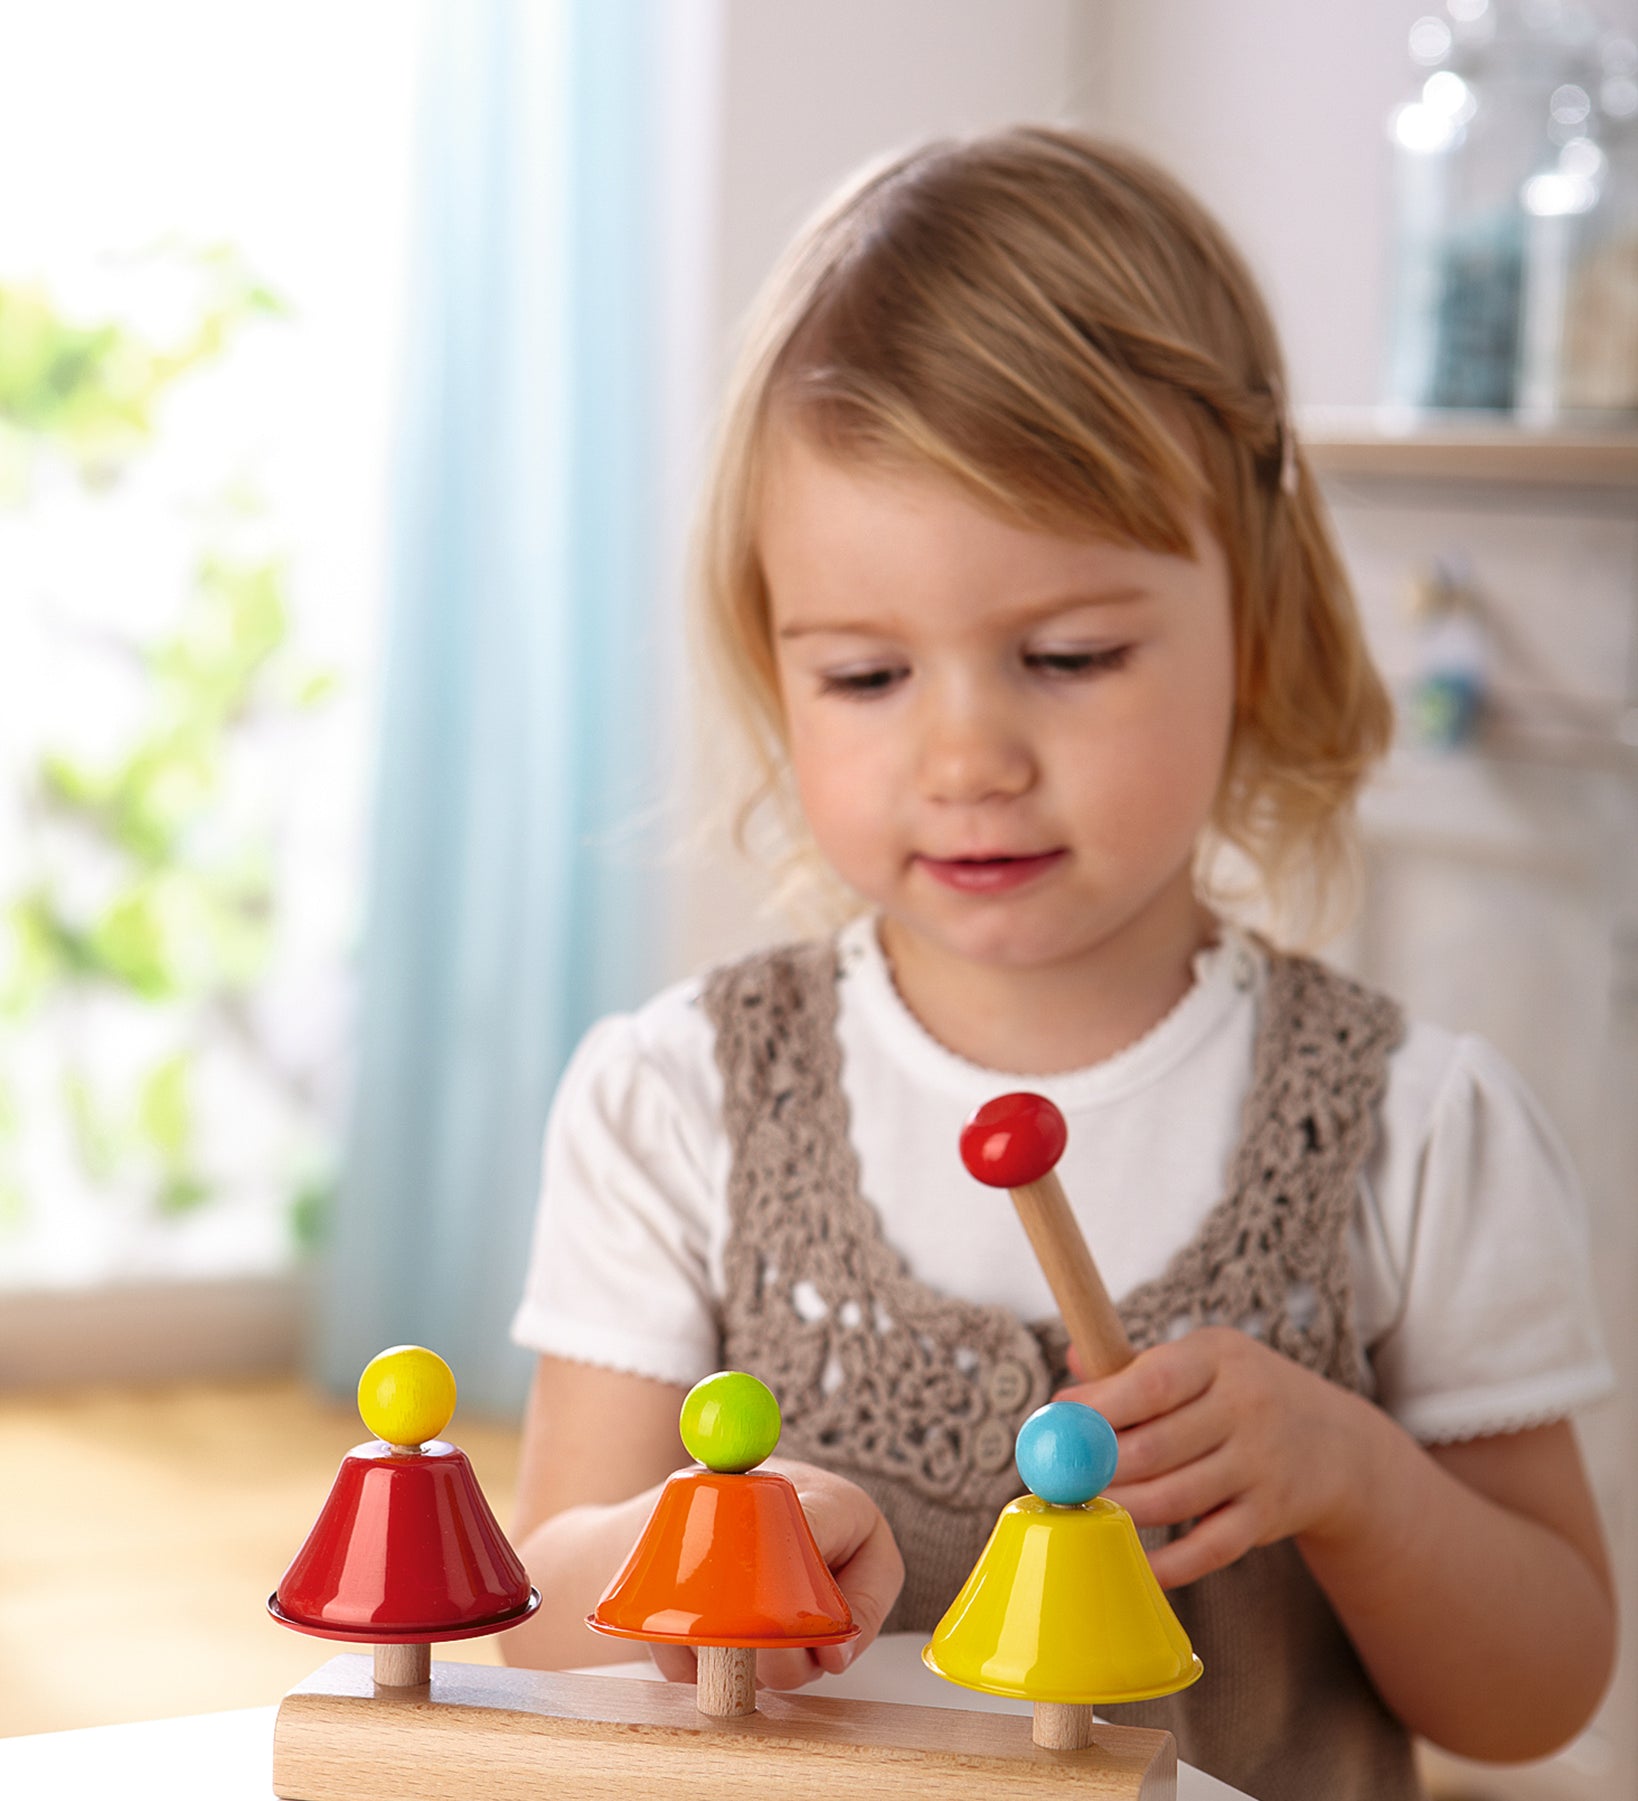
(1497, 1329)
(620, 1266)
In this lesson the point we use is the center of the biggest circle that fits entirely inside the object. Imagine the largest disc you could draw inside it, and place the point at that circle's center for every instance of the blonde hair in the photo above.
(1032, 314)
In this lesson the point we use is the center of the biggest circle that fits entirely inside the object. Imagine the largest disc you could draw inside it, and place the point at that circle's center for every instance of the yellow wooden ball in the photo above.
(406, 1395)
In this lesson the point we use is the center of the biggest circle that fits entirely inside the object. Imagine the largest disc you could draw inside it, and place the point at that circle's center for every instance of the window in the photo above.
(200, 283)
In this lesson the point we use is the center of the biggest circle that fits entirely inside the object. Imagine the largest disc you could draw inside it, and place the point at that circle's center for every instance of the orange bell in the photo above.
(727, 1561)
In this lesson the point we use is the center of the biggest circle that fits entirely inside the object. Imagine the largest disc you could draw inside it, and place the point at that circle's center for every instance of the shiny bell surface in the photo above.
(1063, 1606)
(726, 1559)
(405, 1550)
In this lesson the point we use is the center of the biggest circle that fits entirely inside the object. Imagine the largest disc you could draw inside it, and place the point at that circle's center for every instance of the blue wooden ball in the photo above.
(1066, 1453)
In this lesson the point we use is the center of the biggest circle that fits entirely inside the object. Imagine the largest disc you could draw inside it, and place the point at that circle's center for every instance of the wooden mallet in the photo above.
(1014, 1142)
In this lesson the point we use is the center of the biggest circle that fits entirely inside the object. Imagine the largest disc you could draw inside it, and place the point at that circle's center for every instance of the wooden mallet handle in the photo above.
(1014, 1142)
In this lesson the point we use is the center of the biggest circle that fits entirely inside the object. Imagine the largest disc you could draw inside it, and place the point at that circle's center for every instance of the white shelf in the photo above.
(1483, 447)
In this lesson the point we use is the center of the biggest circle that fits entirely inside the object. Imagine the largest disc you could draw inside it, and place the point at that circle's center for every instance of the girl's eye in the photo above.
(859, 684)
(1078, 662)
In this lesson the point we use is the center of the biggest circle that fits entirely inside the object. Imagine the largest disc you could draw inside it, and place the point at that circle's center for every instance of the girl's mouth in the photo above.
(990, 875)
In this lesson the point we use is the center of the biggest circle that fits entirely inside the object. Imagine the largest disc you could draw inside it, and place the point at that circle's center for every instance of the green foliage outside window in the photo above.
(183, 892)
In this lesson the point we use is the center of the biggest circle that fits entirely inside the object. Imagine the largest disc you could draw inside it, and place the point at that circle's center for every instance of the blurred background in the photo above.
(356, 363)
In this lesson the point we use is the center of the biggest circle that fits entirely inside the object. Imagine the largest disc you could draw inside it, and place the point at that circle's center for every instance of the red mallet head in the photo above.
(1013, 1140)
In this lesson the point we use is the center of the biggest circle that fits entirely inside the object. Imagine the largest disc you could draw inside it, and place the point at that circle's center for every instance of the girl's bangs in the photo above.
(1063, 443)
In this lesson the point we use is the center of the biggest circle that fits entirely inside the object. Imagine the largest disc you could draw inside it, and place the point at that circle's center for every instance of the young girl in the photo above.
(1026, 596)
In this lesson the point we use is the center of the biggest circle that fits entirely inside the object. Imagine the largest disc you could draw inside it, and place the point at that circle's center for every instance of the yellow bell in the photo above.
(1062, 1605)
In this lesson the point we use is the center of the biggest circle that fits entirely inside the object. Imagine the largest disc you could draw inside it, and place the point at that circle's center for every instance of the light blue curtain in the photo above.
(508, 900)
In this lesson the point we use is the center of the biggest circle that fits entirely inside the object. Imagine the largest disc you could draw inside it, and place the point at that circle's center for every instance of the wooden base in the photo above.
(486, 1734)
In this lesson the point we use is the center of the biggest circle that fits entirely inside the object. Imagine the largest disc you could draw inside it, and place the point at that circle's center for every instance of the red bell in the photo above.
(405, 1550)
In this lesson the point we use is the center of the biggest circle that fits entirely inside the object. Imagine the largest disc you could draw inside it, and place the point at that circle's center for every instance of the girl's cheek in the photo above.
(829, 728)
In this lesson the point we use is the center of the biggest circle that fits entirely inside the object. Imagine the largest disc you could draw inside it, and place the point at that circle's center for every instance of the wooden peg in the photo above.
(1063, 1726)
(725, 1687)
(402, 1666)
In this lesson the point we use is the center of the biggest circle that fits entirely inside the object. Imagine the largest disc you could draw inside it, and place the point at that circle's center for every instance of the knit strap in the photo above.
(872, 1367)
(1272, 1257)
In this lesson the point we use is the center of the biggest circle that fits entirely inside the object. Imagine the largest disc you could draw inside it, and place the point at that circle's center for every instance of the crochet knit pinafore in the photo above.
(917, 1396)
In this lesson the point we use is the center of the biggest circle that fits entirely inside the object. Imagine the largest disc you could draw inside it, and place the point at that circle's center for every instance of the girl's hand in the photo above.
(1217, 1428)
(857, 1544)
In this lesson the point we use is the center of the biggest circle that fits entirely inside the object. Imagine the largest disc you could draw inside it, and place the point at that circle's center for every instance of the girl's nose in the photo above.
(969, 756)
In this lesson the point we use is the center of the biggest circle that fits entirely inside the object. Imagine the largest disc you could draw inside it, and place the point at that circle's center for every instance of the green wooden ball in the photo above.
(730, 1422)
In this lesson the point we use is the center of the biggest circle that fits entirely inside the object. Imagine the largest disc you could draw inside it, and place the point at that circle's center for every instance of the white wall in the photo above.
(1273, 112)
(812, 91)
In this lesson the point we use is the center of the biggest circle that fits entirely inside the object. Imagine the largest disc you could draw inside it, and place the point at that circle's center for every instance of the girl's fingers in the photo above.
(841, 1519)
(1156, 1381)
(774, 1669)
(1151, 1449)
(1219, 1539)
(676, 1663)
(870, 1580)
(1189, 1493)
(857, 1543)
(786, 1669)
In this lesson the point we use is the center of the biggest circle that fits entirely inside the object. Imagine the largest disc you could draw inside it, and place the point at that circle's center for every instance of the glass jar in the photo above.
(1598, 350)
(1479, 128)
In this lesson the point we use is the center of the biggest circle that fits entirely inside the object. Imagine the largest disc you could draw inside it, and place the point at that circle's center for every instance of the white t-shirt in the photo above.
(1471, 1273)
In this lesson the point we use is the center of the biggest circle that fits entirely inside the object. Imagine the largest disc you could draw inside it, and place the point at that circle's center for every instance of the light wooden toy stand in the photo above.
(486, 1734)
(403, 1728)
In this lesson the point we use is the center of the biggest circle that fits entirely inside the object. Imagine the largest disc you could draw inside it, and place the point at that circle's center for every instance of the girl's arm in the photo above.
(597, 1445)
(1472, 1578)
(1476, 1588)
